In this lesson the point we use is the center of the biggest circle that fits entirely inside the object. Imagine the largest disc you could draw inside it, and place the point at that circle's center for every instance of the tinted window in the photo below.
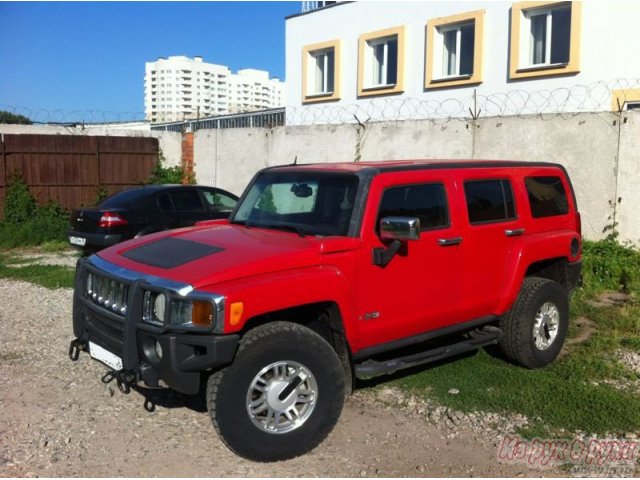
(489, 201)
(219, 200)
(186, 200)
(546, 196)
(126, 198)
(427, 202)
(165, 203)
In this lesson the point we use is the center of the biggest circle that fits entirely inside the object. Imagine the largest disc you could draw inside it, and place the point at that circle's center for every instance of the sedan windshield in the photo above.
(309, 203)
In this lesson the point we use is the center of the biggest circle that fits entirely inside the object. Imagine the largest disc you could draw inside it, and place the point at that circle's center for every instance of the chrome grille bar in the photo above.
(107, 293)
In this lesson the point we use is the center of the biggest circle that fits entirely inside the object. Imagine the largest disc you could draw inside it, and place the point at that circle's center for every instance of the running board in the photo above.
(477, 339)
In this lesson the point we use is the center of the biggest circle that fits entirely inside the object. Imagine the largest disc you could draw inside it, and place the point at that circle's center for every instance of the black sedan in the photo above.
(140, 211)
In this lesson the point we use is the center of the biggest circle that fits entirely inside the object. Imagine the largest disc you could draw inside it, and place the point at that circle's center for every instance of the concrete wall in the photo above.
(628, 191)
(170, 142)
(601, 167)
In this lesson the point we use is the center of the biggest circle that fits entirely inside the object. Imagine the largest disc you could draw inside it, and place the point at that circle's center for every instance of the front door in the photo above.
(417, 290)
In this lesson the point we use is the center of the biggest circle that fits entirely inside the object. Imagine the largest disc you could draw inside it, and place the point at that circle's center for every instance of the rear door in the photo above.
(490, 229)
(188, 206)
(418, 290)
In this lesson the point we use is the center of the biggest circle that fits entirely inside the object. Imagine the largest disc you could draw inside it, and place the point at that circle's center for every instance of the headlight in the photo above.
(160, 309)
(154, 307)
(197, 313)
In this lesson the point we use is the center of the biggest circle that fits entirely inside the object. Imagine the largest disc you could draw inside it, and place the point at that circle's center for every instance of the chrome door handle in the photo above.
(514, 233)
(446, 242)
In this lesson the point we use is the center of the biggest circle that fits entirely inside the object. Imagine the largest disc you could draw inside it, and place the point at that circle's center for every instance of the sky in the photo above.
(57, 59)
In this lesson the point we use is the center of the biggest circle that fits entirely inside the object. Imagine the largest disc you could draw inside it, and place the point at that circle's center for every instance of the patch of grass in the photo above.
(49, 276)
(569, 394)
(54, 246)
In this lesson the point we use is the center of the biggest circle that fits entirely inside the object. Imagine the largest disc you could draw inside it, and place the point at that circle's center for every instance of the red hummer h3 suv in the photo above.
(329, 272)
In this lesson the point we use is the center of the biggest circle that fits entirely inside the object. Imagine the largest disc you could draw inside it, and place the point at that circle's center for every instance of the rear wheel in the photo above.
(282, 395)
(536, 326)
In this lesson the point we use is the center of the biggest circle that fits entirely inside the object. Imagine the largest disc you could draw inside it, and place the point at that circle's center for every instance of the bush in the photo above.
(25, 223)
(161, 175)
(20, 205)
(609, 265)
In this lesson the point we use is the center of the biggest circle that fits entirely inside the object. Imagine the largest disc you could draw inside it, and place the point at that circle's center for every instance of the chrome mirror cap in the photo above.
(400, 228)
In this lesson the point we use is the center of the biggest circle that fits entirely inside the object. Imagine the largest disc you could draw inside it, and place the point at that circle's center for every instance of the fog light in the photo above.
(158, 349)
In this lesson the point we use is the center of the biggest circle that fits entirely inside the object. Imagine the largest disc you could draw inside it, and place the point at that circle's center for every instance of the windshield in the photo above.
(125, 198)
(310, 203)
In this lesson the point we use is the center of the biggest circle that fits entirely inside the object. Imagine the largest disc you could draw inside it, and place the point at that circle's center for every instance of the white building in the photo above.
(413, 60)
(252, 89)
(179, 88)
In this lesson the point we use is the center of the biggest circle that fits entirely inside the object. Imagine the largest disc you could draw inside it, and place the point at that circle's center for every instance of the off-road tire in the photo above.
(227, 392)
(517, 341)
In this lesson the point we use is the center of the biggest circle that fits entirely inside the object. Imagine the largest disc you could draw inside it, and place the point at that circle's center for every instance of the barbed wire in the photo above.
(60, 116)
(562, 101)
(568, 101)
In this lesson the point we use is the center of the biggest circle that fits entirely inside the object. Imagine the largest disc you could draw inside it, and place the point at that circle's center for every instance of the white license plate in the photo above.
(77, 241)
(105, 356)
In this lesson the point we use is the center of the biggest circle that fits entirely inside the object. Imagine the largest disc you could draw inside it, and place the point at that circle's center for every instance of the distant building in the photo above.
(252, 90)
(182, 88)
(398, 60)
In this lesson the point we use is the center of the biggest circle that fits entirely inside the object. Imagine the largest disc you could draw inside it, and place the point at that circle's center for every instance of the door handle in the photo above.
(514, 233)
(447, 242)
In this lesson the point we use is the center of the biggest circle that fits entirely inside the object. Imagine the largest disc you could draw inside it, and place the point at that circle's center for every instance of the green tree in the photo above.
(8, 117)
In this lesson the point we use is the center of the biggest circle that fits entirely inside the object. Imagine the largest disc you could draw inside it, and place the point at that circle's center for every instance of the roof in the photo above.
(395, 165)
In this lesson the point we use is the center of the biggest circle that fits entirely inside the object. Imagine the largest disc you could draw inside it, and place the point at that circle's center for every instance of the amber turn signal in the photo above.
(202, 313)
(235, 314)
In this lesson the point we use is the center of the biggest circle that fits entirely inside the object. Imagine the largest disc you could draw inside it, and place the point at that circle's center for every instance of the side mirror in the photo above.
(400, 228)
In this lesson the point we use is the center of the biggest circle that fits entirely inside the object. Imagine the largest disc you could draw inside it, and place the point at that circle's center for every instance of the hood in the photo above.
(209, 255)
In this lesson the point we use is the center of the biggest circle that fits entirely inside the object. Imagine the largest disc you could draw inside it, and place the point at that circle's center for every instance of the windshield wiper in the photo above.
(277, 226)
(290, 228)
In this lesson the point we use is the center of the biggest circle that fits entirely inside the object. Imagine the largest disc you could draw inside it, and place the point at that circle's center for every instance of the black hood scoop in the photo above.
(170, 252)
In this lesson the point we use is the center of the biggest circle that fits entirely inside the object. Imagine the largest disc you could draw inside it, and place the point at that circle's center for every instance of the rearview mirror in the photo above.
(301, 190)
(400, 228)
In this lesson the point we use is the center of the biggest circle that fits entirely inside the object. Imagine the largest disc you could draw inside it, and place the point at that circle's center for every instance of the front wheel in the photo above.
(536, 326)
(282, 395)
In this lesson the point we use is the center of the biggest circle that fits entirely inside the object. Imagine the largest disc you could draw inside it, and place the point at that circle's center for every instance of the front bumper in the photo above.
(184, 356)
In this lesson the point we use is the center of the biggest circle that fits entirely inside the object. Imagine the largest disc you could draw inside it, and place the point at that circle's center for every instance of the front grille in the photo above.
(107, 293)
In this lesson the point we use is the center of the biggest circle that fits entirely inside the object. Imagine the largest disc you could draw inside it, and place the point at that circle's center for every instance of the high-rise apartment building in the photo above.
(181, 88)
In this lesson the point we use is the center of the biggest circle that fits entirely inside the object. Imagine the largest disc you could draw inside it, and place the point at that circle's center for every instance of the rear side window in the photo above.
(165, 203)
(547, 196)
(489, 201)
(186, 200)
(427, 202)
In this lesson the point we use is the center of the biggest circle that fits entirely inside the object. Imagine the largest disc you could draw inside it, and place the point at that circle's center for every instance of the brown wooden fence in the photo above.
(71, 169)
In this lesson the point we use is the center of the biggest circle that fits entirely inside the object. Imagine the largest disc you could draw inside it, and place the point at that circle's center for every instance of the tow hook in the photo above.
(124, 379)
(75, 347)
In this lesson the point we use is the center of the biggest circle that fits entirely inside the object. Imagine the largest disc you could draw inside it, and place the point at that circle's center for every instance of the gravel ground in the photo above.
(58, 419)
